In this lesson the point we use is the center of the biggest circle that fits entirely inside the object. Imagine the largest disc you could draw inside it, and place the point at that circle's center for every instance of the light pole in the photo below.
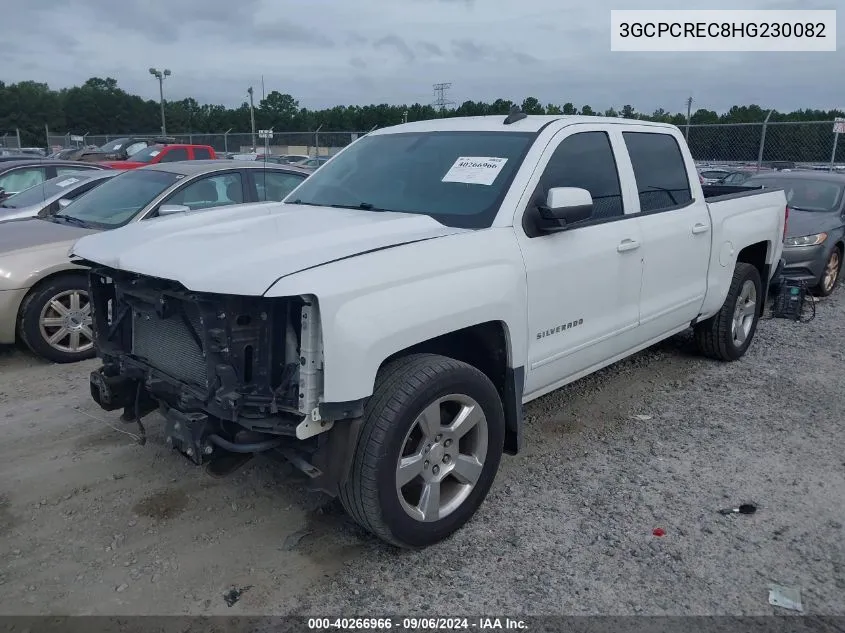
(252, 117)
(160, 75)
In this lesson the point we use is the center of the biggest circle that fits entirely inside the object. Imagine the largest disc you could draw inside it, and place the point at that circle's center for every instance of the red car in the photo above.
(163, 154)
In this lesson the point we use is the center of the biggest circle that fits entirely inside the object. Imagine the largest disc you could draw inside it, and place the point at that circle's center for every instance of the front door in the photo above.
(583, 283)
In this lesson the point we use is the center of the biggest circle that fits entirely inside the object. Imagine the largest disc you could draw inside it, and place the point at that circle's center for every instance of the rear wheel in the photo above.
(830, 275)
(429, 448)
(55, 319)
(728, 334)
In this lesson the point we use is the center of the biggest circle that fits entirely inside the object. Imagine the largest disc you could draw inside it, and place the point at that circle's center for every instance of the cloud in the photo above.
(397, 43)
(334, 51)
(430, 49)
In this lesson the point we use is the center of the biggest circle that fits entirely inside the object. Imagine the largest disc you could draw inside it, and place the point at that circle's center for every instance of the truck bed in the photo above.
(715, 193)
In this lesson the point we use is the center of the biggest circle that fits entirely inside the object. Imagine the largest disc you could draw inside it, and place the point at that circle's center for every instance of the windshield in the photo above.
(118, 200)
(458, 178)
(804, 194)
(146, 155)
(115, 145)
(40, 193)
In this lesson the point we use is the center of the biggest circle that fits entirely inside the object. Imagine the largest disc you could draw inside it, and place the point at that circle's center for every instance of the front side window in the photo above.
(201, 153)
(585, 160)
(659, 169)
(175, 154)
(457, 178)
(213, 191)
(21, 179)
(118, 200)
(275, 185)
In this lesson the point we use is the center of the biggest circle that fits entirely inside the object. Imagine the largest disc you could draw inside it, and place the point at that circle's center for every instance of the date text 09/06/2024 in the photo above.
(417, 624)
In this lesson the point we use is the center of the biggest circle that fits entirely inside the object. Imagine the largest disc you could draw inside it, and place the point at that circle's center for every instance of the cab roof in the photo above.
(496, 123)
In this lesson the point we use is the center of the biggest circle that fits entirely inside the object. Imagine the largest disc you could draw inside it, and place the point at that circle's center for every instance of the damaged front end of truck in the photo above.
(232, 376)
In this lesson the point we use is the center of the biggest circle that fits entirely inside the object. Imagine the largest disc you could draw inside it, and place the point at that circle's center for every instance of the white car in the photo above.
(383, 327)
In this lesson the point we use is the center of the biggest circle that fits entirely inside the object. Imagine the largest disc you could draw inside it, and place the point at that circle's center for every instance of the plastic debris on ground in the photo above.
(786, 597)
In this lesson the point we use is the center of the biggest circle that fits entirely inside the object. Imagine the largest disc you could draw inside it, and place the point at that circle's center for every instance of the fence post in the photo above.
(317, 141)
(47, 138)
(763, 141)
(18, 134)
(833, 153)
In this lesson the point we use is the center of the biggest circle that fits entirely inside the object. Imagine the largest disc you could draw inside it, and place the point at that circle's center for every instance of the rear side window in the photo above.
(585, 160)
(274, 185)
(662, 179)
(201, 153)
(174, 154)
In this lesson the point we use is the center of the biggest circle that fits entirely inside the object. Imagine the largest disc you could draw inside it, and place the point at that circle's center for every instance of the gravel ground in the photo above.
(92, 523)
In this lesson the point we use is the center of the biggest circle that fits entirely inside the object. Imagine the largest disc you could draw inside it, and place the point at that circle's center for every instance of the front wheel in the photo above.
(55, 319)
(430, 445)
(830, 274)
(727, 335)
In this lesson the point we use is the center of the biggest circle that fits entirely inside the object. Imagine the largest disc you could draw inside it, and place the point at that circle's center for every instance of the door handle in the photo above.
(700, 228)
(627, 245)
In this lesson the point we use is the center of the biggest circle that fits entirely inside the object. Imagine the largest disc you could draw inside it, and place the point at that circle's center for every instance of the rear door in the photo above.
(676, 229)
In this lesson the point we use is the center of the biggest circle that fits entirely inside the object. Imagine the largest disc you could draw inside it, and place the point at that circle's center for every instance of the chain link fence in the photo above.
(803, 143)
(10, 140)
(305, 143)
(808, 144)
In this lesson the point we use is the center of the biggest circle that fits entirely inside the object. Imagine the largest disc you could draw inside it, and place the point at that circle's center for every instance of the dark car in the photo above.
(737, 177)
(122, 148)
(815, 237)
(17, 175)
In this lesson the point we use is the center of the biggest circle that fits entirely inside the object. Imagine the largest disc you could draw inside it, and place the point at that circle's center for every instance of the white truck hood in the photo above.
(244, 250)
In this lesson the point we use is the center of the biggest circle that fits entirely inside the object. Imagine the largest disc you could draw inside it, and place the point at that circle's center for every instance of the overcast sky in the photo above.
(330, 52)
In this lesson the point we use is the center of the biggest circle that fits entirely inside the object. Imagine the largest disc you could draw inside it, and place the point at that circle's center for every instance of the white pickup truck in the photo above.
(384, 325)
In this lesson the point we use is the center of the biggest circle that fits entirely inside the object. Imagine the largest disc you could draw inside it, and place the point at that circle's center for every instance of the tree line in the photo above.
(99, 106)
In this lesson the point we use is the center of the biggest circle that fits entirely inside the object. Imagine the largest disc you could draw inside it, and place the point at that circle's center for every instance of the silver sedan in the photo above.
(51, 196)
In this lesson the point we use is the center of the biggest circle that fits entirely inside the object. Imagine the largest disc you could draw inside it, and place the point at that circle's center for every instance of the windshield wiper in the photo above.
(72, 220)
(365, 206)
(7, 206)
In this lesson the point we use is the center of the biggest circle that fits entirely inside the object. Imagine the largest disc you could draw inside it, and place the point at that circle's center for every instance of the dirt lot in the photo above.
(92, 523)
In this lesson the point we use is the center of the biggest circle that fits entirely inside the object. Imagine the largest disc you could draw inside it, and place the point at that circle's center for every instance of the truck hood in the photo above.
(245, 249)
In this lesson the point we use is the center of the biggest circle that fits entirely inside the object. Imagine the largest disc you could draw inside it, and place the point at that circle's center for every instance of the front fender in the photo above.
(377, 304)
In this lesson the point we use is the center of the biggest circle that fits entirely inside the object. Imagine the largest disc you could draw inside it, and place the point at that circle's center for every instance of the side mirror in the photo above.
(171, 209)
(3, 194)
(565, 206)
(64, 202)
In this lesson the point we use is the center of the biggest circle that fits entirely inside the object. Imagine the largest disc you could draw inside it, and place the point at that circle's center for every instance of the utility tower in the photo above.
(440, 100)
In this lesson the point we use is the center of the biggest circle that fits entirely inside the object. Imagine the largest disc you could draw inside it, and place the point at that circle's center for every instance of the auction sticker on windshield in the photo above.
(475, 170)
(67, 182)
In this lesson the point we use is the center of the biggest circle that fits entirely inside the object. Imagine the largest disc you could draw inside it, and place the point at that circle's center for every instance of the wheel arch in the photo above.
(40, 283)
(487, 347)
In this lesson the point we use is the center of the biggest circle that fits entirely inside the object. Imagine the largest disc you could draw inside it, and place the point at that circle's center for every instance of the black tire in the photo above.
(821, 288)
(714, 337)
(29, 330)
(403, 389)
